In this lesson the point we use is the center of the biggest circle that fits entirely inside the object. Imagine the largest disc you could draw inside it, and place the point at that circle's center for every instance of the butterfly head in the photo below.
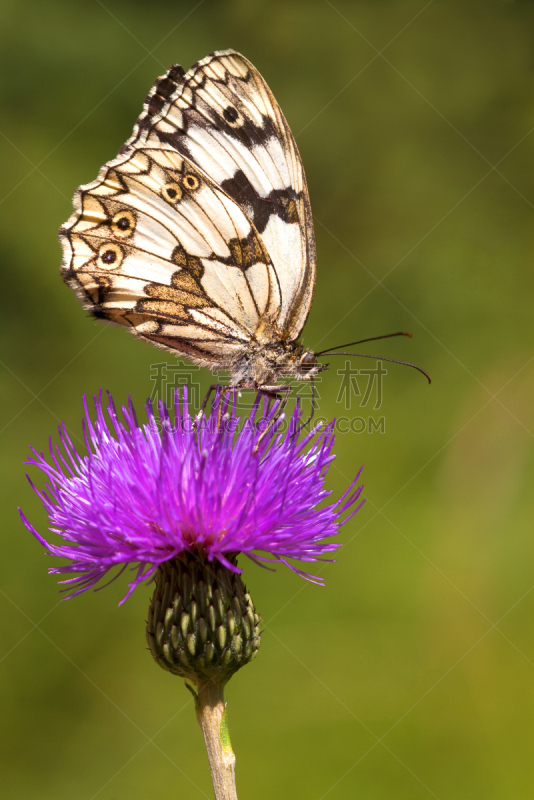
(266, 364)
(306, 365)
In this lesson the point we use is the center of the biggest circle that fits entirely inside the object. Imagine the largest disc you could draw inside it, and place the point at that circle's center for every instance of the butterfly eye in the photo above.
(308, 361)
(123, 224)
(110, 256)
(172, 192)
(191, 182)
(233, 117)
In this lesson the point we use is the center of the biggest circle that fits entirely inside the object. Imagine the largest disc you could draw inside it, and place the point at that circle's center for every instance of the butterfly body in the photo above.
(198, 237)
(259, 368)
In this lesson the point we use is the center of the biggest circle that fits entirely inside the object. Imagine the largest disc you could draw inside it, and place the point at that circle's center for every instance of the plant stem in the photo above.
(211, 715)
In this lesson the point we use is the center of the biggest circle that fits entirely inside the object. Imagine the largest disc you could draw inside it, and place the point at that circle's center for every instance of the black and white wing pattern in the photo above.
(198, 236)
(155, 245)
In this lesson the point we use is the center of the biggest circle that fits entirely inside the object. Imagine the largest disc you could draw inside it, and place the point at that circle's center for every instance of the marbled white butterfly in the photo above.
(199, 235)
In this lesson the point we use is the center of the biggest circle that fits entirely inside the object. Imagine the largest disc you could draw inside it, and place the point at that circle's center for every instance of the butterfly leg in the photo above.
(213, 388)
(224, 390)
(312, 412)
(273, 393)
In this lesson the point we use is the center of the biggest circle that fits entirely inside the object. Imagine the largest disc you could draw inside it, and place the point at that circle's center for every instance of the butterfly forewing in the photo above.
(223, 116)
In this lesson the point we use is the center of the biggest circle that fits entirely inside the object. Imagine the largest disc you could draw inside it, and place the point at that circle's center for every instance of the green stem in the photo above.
(211, 715)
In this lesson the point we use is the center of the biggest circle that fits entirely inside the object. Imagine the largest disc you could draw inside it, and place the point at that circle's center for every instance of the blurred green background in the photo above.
(411, 674)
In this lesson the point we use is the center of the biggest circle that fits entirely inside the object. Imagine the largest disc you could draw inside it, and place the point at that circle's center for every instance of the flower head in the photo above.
(144, 494)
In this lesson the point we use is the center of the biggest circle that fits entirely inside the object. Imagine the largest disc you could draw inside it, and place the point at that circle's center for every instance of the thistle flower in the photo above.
(180, 500)
(147, 494)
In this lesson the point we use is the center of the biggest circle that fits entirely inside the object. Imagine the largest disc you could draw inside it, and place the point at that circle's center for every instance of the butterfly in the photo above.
(199, 236)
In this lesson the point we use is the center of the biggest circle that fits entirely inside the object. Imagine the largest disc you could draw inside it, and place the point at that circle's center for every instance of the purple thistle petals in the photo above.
(143, 494)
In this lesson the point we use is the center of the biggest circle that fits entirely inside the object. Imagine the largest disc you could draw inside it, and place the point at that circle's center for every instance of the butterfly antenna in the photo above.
(380, 358)
(362, 341)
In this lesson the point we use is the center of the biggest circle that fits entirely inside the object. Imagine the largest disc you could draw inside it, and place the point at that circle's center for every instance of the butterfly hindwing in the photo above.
(155, 244)
(222, 116)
